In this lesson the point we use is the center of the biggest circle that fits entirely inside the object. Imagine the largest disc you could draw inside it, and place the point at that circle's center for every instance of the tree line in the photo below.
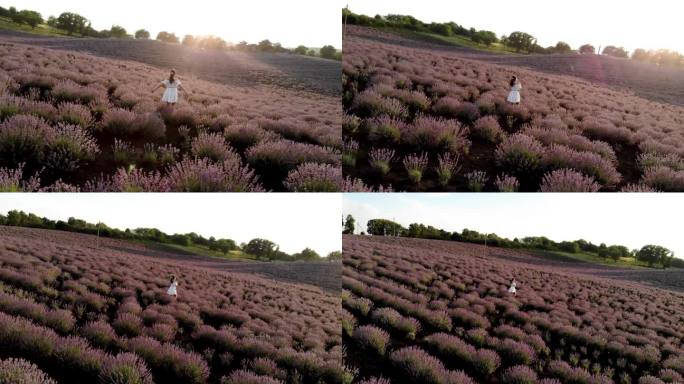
(75, 24)
(261, 249)
(653, 255)
(519, 41)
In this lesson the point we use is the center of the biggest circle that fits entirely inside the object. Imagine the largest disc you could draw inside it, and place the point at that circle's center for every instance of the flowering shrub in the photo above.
(415, 166)
(75, 114)
(519, 154)
(520, 374)
(476, 180)
(212, 146)
(433, 133)
(24, 139)
(313, 177)
(125, 368)
(506, 183)
(381, 159)
(448, 165)
(201, 175)
(417, 365)
(488, 128)
(371, 338)
(20, 371)
(384, 130)
(568, 180)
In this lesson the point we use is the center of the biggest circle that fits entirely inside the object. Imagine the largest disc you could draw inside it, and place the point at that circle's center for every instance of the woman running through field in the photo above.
(173, 288)
(513, 288)
(171, 85)
(514, 95)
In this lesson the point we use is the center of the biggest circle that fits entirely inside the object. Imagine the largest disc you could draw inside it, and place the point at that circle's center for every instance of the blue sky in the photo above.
(294, 221)
(629, 23)
(629, 219)
(313, 23)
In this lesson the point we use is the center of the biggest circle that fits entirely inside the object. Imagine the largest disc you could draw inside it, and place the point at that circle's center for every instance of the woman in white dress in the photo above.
(514, 95)
(513, 288)
(171, 85)
(173, 288)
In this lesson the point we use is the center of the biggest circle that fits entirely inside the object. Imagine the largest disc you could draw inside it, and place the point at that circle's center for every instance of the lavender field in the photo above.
(428, 311)
(421, 118)
(73, 310)
(77, 122)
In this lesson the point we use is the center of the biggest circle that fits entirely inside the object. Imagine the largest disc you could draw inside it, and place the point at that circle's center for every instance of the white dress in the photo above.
(171, 92)
(512, 289)
(514, 95)
(172, 289)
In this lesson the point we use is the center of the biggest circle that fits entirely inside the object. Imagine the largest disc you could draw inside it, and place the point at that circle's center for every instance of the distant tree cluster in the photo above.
(653, 255)
(521, 42)
(25, 16)
(75, 24)
(411, 23)
(205, 42)
(262, 249)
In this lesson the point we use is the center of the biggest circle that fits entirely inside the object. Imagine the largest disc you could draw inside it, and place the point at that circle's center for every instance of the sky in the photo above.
(629, 219)
(313, 23)
(292, 220)
(632, 24)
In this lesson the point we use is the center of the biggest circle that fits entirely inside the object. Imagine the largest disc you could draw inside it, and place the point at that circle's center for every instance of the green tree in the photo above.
(118, 32)
(484, 37)
(562, 47)
(167, 37)
(71, 22)
(569, 246)
(142, 34)
(349, 225)
(328, 52)
(521, 41)
(334, 256)
(615, 51)
(300, 50)
(307, 254)
(587, 49)
(652, 254)
(383, 227)
(261, 248)
(31, 18)
(265, 45)
(189, 40)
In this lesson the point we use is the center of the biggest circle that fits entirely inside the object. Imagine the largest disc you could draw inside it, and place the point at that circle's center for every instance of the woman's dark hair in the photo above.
(172, 76)
(513, 80)
(173, 278)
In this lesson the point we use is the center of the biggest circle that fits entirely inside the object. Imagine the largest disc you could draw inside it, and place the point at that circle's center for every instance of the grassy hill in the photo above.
(199, 250)
(454, 40)
(625, 262)
(42, 29)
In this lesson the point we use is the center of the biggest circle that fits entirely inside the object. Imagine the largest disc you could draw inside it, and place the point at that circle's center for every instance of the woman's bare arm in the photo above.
(182, 88)
(157, 87)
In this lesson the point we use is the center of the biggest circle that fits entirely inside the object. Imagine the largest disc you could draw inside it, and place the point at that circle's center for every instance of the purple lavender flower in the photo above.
(75, 114)
(519, 374)
(21, 371)
(428, 133)
(381, 159)
(418, 366)
(415, 166)
(125, 368)
(568, 180)
(476, 180)
(519, 154)
(201, 175)
(371, 338)
(507, 183)
(213, 147)
(448, 165)
(314, 177)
